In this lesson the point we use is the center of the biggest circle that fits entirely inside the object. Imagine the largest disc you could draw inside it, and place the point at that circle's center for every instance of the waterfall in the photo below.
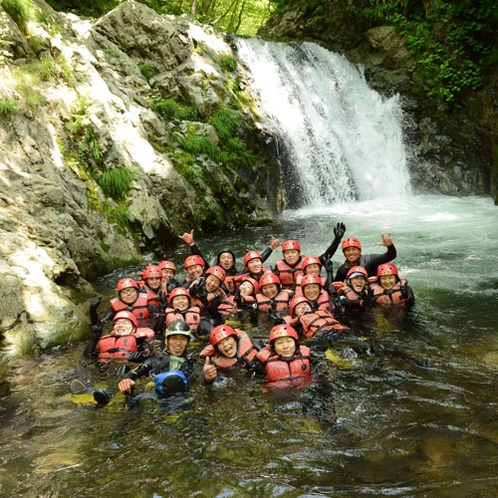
(337, 139)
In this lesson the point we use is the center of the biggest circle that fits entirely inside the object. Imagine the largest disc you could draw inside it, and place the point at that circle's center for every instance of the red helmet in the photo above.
(387, 269)
(311, 260)
(291, 244)
(351, 242)
(269, 278)
(311, 279)
(192, 261)
(253, 282)
(216, 271)
(151, 272)
(357, 271)
(126, 314)
(283, 330)
(252, 255)
(221, 332)
(167, 265)
(297, 300)
(125, 283)
(178, 291)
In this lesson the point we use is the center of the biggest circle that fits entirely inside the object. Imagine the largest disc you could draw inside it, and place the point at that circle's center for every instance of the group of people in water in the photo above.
(297, 302)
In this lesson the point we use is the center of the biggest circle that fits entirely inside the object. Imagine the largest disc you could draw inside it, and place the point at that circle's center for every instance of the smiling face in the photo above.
(284, 346)
(387, 281)
(269, 290)
(302, 308)
(177, 344)
(254, 266)
(167, 274)
(311, 291)
(291, 256)
(313, 268)
(128, 295)
(352, 254)
(246, 289)
(227, 347)
(212, 283)
(195, 271)
(358, 283)
(123, 326)
(180, 303)
(153, 282)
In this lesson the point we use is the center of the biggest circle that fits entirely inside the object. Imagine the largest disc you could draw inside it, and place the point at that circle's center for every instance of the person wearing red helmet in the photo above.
(208, 292)
(311, 286)
(168, 272)
(130, 297)
(287, 363)
(126, 341)
(272, 298)
(152, 283)
(291, 267)
(353, 294)
(180, 308)
(310, 323)
(388, 289)
(242, 303)
(226, 259)
(352, 250)
(195, 266)
(229, 348)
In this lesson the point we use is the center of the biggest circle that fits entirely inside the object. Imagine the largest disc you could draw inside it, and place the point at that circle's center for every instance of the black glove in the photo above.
(95, 303)
(277, 319)
(136, 357)
(404, 291)
(329, 265)
(97, 328)
(339, 230)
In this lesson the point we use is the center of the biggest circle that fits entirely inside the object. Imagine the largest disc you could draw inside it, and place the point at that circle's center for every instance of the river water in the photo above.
(416, 414)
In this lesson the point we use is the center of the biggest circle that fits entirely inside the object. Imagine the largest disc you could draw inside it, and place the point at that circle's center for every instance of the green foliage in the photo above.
(31, 96)
(118, 215)
(147, 70)
(93, 8)
(451, 42)
(83, 135)
(226, 123)
(202, 145)
(22, 12)
(8, 107)
(169, 109)
(116, 182)
(228, 63)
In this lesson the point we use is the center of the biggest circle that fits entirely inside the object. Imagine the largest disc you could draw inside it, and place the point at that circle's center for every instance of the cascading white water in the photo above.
(338, 140)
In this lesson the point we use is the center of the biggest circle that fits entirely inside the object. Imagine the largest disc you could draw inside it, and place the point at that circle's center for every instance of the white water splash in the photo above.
(339, 139)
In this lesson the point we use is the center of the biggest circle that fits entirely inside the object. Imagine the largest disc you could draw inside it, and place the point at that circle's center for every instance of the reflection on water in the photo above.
(416, 410)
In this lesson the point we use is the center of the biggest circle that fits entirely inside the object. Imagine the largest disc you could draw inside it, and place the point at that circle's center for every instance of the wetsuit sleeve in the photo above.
(266, 253)
(143, 370)
(92, 345)
(372, 261)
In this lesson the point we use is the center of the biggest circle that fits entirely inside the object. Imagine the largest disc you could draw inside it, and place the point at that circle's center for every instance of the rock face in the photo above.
(92, 108)
(452, 152)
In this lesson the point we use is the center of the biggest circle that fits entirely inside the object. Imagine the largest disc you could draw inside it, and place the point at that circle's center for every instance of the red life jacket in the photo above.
(192, 316)
(246, 351)
(285, 369)
(112, 347)
(318, 322)
(288, 275)
(391, 297)
(279, 303)
(138, 308)
(348, 292)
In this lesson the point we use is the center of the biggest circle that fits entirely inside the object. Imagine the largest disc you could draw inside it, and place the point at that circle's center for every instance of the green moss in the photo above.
(116, 182)
(8, 107)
